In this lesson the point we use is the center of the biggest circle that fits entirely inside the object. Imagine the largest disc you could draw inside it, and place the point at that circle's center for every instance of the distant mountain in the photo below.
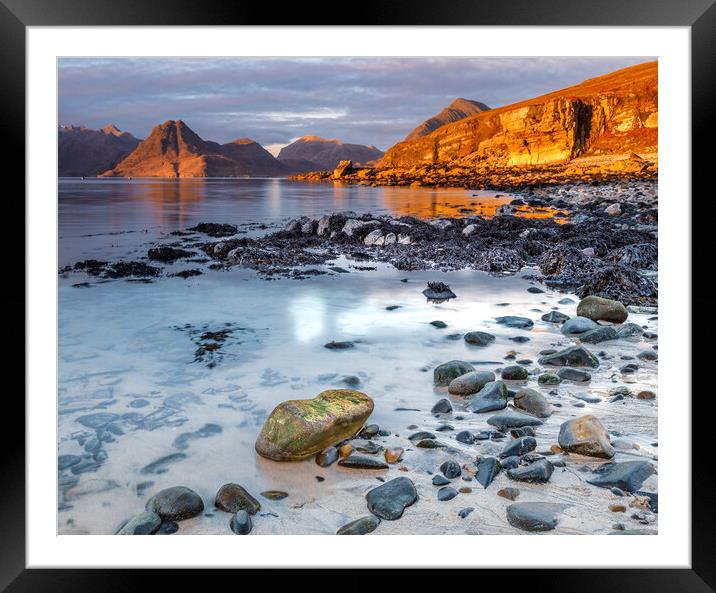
(173, 149)
(326, 154)
(82, 152)
(457, 110)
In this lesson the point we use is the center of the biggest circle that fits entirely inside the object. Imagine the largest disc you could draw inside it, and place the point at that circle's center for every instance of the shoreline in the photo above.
(590, 240)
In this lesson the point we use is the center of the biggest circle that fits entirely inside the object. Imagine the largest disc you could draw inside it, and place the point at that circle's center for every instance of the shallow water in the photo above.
(128, 348)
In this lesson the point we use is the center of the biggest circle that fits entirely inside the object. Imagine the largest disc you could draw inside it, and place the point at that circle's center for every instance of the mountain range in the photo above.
(85, 152)
(597, 123)
(327, 153)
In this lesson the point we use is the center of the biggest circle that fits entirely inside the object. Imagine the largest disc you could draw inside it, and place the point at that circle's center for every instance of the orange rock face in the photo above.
(598, 124)
(174, 150)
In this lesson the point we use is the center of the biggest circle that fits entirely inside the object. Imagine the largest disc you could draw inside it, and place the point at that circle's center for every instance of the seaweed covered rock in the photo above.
(297, 429)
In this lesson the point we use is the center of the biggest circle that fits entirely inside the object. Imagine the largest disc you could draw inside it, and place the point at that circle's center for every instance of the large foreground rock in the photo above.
(574, 356)
(586, 436)
(176, 503)
(297, 429)
(389, 500)
(598, 308)
(534, 516)
(628, 475)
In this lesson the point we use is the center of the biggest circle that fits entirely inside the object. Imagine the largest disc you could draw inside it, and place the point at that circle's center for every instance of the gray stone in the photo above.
(575, 375)
(446, 372)
(477, 338)
(519, 447)
(534, 516)
(578, 325)
(537, 472)
(512, 418)
(443, 406)
(574, 356)
(470, 383)
(145, 523)
(241, 523)
(515, 322)
(533, 402)
(389, 500)
(233, 498)
(555, 317)
(627, 475)
(600, 334)
(493, 396)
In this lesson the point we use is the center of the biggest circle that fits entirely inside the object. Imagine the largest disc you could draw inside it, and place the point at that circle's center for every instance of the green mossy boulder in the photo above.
(299, 428)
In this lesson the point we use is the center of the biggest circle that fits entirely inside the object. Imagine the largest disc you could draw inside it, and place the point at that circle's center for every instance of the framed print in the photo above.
(400, 279)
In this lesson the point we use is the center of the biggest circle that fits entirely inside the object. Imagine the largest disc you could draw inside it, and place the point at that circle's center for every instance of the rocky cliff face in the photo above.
(327, 153)
(598, 123)
(457, 110)
(82, 152)
(174, 150)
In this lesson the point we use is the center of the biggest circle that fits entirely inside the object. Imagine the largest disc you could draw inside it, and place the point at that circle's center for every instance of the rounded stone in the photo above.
(470, 383)
(534, 516)
(176, 503)
(477, 338)
(585, 436)
(601, 309)
(446, 372)
(233, 498)
(241, 523)
(389, 500)
(578, 325)
(145, 523)
(360, 526)
(514, 373)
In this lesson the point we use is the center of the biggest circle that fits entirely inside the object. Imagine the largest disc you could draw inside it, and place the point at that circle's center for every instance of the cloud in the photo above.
(273, 100)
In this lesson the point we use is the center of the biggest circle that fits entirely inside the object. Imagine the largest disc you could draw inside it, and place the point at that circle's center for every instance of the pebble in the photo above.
(241, 523)
(520, 446)
(447, 493)
(360, 462)
(534, 516)
(443, 406)
(514, 373)
(538, 472)
(360, 526)
(274, 494)
(487, 469)
(233, 498)
(450, 469)
(393, 454)
(440, 480)
(465, 512)
(509, 493)
(389, 500)
(176, 503)
(327, 457)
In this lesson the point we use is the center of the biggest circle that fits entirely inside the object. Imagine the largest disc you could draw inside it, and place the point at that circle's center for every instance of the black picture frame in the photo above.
(16, 15)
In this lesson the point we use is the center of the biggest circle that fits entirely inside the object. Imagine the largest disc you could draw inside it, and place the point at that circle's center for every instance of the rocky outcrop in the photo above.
(327, 153)
(82, 152)
(457, 110)
(175, 150)
(606, 118)
(602, 129)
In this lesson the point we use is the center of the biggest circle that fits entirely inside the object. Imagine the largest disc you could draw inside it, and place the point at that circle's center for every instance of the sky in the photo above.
(273, 101)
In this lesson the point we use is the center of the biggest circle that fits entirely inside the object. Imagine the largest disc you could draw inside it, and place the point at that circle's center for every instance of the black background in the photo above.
(700, 15)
